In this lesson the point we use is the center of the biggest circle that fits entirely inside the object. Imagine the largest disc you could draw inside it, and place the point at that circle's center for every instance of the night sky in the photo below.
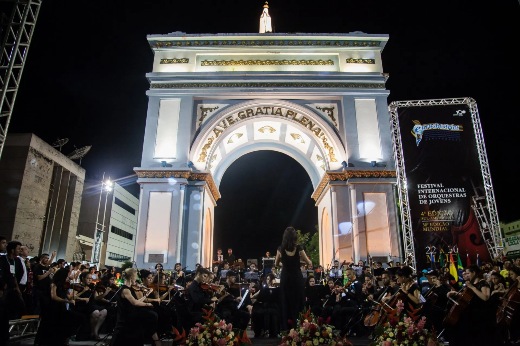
(85, 80)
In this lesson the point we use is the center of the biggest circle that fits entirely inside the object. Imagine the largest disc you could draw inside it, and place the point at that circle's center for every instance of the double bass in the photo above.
(510, 305)
(458, 307)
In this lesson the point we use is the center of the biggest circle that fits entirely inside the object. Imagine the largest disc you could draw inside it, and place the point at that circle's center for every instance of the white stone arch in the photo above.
(320, 149)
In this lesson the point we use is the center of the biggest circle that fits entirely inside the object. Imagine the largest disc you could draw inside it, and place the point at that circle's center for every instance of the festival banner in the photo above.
(444, 176)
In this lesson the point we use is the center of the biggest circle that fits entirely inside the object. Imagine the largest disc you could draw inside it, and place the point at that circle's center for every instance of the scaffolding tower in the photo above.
(16, 32)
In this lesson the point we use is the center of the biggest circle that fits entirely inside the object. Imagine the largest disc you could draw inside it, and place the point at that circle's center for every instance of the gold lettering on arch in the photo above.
(264, 110)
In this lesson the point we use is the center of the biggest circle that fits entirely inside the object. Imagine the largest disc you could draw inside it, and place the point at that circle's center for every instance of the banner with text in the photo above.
(443, 172)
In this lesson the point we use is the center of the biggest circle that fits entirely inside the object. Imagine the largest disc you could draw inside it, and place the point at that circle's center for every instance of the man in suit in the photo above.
(231, 257)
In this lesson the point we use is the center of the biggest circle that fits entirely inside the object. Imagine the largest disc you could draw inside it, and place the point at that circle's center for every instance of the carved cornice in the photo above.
(198, 176)
(266, 85)
(264, 62)
(249, 43)
(346, 175)
(361, 61)
(175, 61)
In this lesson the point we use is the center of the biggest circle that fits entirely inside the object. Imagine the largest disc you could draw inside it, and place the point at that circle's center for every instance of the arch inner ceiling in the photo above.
(267, 125)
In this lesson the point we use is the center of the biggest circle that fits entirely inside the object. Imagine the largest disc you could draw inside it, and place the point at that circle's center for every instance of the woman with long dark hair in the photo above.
(292, 295)
(477, 323)
(58, 324)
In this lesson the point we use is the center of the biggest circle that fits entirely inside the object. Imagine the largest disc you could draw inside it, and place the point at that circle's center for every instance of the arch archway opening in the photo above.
(263, 192)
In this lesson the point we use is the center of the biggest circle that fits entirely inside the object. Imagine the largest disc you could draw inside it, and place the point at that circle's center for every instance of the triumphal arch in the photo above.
(318, 98)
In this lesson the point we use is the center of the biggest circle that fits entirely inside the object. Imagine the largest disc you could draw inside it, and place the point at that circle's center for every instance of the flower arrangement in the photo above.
(214, 332)
(404, 329)
(311, 332)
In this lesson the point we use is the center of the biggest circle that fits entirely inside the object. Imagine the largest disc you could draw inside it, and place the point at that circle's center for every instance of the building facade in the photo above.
(119, 219)
(40, 195)
(318, 98)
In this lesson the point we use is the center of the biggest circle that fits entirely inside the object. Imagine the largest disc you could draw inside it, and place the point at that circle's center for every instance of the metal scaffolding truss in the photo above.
(17, 33)
(485, 208)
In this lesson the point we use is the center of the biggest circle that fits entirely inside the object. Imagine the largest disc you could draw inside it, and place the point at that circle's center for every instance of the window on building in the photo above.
(123, 205)
(121, 233)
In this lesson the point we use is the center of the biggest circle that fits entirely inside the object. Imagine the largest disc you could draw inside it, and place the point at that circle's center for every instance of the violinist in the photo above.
(134, 324)
(56, 314)
(350, 301)
(477, 323)
(313, 295)
(266, 309)
(497, 289)
(87, 304)
(160, 276)
(196, 298)
(178, 276)
(331, 299)
(514, 326)
(164, 318)
(228, 306)
(408, 286)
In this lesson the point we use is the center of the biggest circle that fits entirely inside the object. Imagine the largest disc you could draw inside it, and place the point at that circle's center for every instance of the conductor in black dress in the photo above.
(292, 295)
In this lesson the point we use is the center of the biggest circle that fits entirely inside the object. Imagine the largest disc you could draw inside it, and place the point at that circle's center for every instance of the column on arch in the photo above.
(160, 222)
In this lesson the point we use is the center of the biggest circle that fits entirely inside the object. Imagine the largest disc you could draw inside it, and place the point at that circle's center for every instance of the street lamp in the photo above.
(106, 186)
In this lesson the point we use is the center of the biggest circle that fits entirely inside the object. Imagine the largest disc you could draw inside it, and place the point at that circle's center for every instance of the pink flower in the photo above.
(407, 320)
(305, 325)
(400, 306)
(410, 330)
(229, 327)
(421, 323)
(387, 343)
(194, 331)
(221, 342)
(222, 324)
(293, 334)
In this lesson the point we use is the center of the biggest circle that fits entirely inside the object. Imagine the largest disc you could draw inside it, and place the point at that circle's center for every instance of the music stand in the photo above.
(267, 264)
(251, 276)
(223, 274)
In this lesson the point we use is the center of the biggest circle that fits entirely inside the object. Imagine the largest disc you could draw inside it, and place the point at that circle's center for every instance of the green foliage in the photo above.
(126, 265)
(311, 245)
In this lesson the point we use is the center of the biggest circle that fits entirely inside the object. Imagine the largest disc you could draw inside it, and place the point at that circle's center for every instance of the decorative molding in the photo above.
(296, 136)
(267, 128)
(204, 113)
(175, 61)
(330, 113)
(266, 85)
(199, 176)
(264, 62)
(204, 152)
(238, 135)
(361, 61)
(203, 43)
(348, 174)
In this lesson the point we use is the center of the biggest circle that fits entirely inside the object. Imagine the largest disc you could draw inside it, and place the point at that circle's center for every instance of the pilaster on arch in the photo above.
(267, 125)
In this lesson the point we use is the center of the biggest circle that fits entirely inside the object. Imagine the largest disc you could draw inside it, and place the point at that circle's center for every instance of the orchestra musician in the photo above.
(160, 277)
(135, 321)
(164, 318)
(266, 309)
(313, 301)
(511, 300)
(56, 314)
(336, 272)
(408, 286)
(476, 324)
(436, 300)
(178, 276)
(389, 288)
(228, 304)
(230, 257)
(197, 300)
(350, 301)
(87, 304)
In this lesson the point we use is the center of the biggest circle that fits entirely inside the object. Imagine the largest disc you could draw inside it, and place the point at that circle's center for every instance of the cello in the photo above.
(510, 303)
(375, 314)
(458, 307)
(389, 308)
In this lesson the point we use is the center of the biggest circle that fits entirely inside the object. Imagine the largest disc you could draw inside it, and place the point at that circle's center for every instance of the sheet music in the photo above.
(243, 298)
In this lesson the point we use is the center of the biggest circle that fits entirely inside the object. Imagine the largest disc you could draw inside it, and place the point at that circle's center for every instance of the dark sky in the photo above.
(85, 76)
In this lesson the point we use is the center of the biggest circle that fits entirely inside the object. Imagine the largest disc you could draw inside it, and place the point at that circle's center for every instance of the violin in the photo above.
(101, 288)
(210, 287)
(74, 286)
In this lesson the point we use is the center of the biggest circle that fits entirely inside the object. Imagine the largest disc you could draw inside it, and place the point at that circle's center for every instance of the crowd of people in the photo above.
(143, 305)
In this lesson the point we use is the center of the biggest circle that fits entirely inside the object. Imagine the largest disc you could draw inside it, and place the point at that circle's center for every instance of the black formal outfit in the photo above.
(349, 307)
(41, 289)
(57, 323)
(266, 311)
(477, 323)
(228, 309)
(388, 290)
(435, 306)
(292, 295)
(313, 298)
(135, 324)
(11, 302)
(197, 300)
(231, 259)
